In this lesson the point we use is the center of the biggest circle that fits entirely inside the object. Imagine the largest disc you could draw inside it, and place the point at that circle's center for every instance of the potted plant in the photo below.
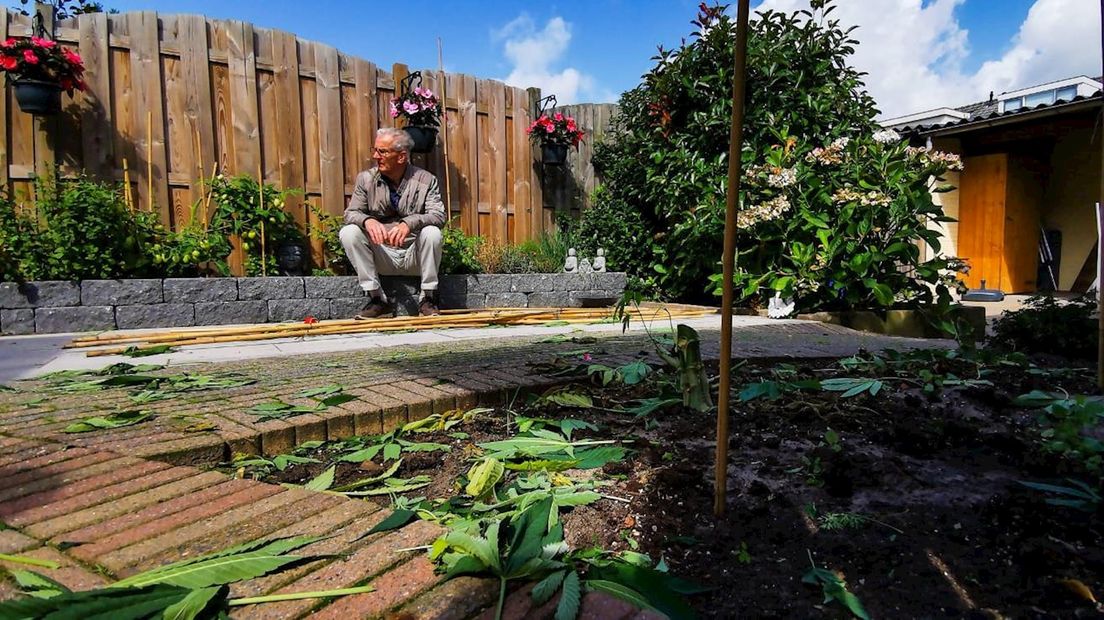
(555, 133)
(422, 111)
(39, 69)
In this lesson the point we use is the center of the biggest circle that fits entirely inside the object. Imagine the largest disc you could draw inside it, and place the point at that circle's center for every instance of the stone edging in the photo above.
(91, 305)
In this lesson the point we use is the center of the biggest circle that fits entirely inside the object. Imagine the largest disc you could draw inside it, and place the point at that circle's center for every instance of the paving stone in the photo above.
(231, 312)
(194, 290)
(120, 292)
(17, 321)
(16, 482)
(333, 287)
(57, 527)
(128, 528)
(507, 300)
(155, 315)
(27, 509)
(298, 309)
(392, 589)
(12, 541)
(194, 450)
(39, 294)
(372, 559)
(74, 319)
(274, 287)
(68, 573)
(456, 599)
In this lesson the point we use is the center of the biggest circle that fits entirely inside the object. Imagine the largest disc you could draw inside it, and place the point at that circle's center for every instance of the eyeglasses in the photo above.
(383, 151)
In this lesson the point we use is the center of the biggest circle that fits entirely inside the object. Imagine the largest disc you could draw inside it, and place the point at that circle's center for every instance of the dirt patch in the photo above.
(911, 494)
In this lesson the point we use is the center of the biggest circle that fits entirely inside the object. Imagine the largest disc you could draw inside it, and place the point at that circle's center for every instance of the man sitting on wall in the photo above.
(393, 224)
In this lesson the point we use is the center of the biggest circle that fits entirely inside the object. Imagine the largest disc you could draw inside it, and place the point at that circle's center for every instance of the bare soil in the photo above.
(944, 528)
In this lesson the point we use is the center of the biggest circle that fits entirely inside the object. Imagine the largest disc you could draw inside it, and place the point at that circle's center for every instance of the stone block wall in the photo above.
(94, 305)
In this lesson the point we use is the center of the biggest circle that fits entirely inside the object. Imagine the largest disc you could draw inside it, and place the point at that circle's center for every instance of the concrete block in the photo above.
(17, 321)
(406, 305)
(39, 294)
(275, 287)
(533, 282)
(120, 292)
(346, 307)
(490, 283)
(609, 281)
(194, 290)
(231, 312)
(74, 319)
(155, 315)
(507, 300)
(473, 301)
(401, 286)
(554, 299)
(298, 309)
(574, 282)
(336, 287)
(453, 285)
(576, 298)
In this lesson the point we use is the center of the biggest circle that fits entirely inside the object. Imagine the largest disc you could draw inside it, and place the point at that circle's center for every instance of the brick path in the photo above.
(108, 504)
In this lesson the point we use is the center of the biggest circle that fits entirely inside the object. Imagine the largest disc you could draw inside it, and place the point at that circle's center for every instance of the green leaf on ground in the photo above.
(115, 420)
(135, 351)
(394, 521)
(323, 481)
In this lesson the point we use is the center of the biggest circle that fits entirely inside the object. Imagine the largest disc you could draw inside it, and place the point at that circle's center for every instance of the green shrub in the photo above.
(76, 229)
(458, 250)
(615, 226)
(548, 251)
(1046, 325)
(832, 209)
(328, 231)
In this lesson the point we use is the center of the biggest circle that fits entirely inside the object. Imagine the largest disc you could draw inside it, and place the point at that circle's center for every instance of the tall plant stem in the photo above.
(501, 597)
(735, 149)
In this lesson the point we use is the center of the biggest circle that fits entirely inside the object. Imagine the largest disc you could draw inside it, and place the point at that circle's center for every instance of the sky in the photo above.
(919, 54)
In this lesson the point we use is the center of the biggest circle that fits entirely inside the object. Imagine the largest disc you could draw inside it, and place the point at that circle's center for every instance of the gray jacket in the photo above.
(419, 204)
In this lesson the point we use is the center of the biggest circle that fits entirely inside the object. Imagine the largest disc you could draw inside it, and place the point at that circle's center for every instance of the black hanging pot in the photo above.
(424, 138)
(554, 154)
(38, 97)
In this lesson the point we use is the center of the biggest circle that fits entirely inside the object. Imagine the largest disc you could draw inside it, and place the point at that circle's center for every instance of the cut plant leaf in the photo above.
(115, 420)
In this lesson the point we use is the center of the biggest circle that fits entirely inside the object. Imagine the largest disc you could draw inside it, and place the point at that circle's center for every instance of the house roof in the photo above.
(988, 112)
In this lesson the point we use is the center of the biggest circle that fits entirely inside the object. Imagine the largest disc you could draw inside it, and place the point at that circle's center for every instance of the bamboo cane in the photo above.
(126, 187)
(444, 124)
(149, 159)
(207, 197)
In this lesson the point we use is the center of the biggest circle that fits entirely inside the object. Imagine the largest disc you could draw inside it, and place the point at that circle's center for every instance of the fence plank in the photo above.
(522, 193)
(194, 46)
(149, 111)
(181, 143)
(96, 111)
(289, 119)
(536, 174)
(496, 148)
(45, 155)
(4, 159)
(366, 117)
(329, 129)
(243, 98)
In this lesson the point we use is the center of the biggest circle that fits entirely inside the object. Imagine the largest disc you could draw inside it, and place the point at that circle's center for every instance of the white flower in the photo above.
(886, 136)
(784, 177)
(762, 212)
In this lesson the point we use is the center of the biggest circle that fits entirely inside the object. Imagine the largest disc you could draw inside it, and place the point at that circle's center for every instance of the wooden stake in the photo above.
(149, 158)
(444, 125)
(264, 259)
(260, 208)
(735, 148)
(207, 198)
(126, 187)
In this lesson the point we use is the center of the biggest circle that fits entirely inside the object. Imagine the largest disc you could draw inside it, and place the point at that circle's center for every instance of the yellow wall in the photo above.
(949, 201)
(1069, 199)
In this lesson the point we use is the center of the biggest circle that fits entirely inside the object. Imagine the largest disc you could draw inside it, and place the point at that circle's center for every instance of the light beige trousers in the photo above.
(420, 254)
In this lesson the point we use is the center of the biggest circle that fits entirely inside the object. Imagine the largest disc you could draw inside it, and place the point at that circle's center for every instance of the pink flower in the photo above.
(30, 57)
(9, 42)
(410, 107)
(71, 56)
(43, 43)
(550, 128)
(558, 116)
(394, 110)
(587, 357)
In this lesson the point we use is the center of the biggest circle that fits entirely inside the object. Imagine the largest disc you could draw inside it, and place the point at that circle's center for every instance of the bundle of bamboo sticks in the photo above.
(112, 343)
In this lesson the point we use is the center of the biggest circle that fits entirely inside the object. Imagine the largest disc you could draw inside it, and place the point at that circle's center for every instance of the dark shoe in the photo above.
(428, 306)
(376, 308)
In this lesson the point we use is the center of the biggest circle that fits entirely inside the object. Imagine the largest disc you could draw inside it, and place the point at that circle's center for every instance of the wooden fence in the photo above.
(176, 96)
(568, 189)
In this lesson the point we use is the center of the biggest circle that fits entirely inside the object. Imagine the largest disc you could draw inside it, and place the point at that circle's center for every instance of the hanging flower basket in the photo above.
(39, 69)
(554, 154)
(424, 138)
(38, 97)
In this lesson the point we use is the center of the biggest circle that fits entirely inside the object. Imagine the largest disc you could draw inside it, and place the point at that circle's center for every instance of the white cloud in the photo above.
(913, 50)
(534, 55)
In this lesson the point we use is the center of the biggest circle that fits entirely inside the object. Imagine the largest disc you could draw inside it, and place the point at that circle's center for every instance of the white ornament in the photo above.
(778, 308)
(571, 265)
(584, 266)
(600, 261)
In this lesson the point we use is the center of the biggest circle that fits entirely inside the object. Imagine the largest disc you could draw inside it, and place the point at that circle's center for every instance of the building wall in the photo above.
(949, 202)
(1069, 200)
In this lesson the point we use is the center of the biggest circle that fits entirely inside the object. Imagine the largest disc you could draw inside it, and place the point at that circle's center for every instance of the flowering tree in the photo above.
(42, 59)
(832, 209)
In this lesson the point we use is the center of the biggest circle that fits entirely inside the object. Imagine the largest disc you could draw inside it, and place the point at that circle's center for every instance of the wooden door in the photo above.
(982, 194)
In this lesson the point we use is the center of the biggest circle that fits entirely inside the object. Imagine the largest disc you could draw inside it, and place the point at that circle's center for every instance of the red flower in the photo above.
(310, 320)
(8, 62)
(43, 43)
(72, 56)
(30, 57)
(9, 42)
